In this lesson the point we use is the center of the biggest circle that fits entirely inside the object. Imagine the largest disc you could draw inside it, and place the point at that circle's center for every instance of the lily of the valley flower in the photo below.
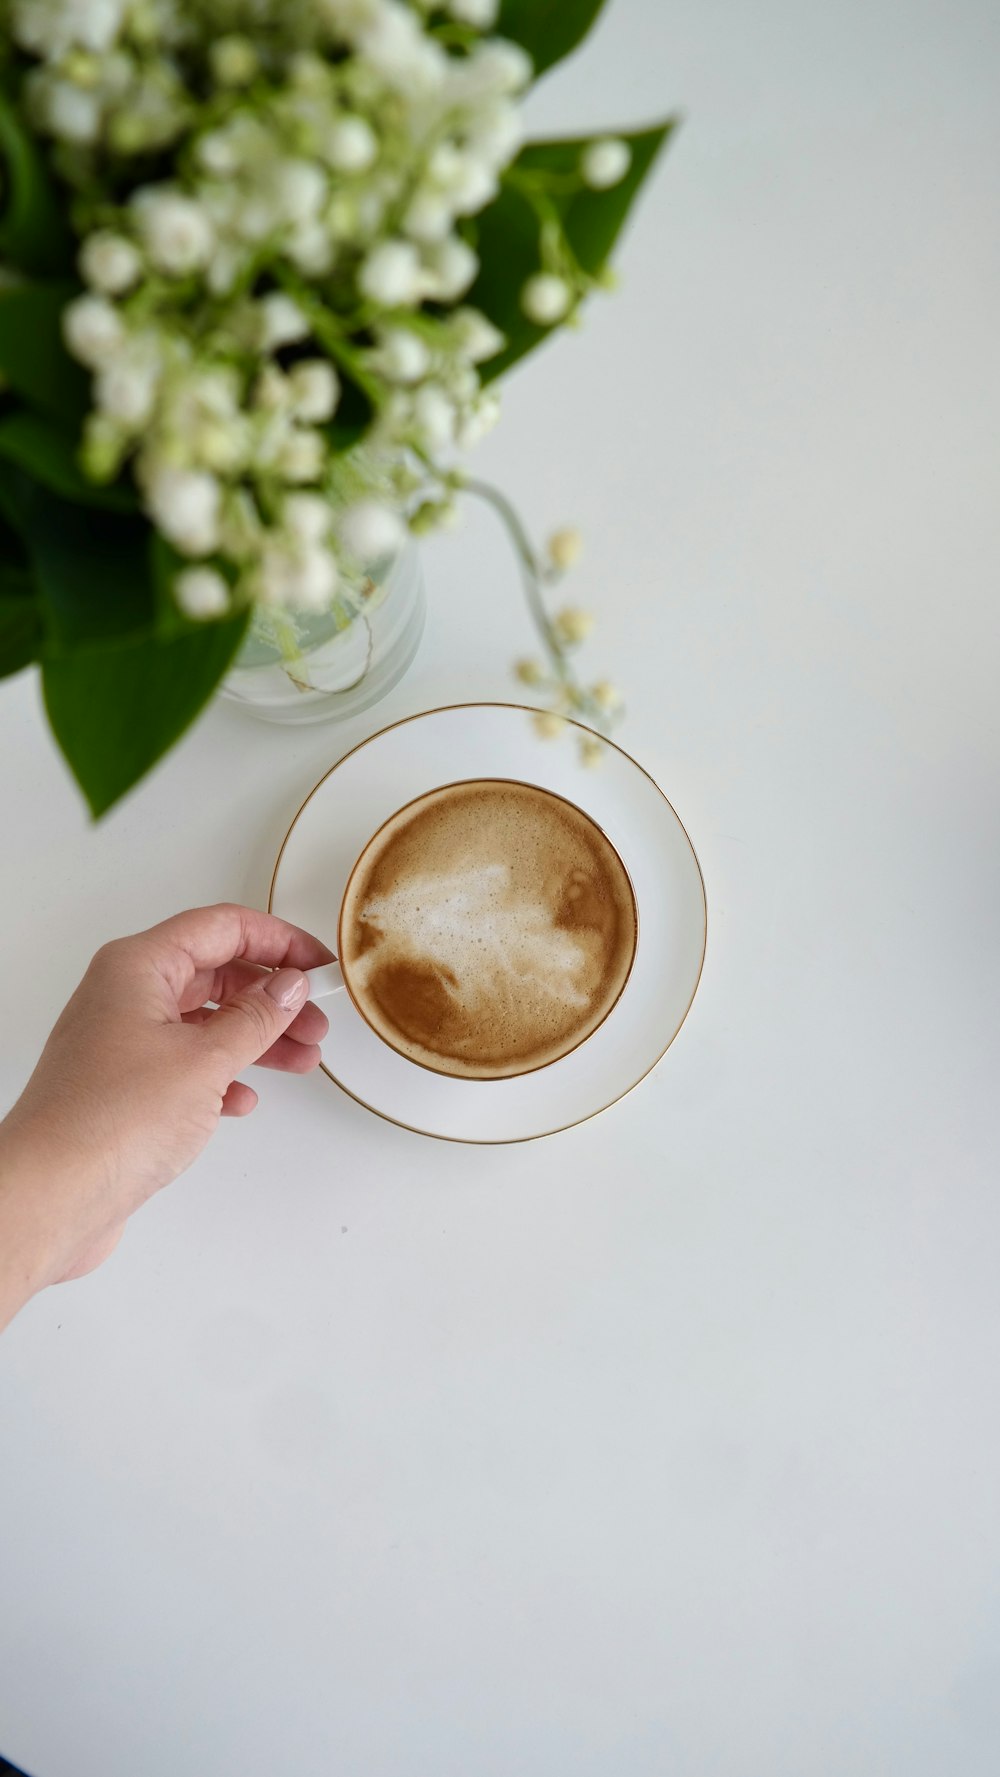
(546, 299)
(201, 593)
(93, 330)
(185, 506)
(604, 163)
(110, 263)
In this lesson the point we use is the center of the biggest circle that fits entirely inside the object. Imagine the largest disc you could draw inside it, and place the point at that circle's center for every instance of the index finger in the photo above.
(204, 938)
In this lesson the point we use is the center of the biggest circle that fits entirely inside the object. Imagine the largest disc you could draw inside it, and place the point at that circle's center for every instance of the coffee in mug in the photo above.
(487, 929)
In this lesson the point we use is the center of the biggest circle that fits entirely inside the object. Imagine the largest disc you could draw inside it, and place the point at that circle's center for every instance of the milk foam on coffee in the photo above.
(487, 929)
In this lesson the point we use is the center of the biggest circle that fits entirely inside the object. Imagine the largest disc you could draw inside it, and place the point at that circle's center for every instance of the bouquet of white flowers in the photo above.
(263, 262)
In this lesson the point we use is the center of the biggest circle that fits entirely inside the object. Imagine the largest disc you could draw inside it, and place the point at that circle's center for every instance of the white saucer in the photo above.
(482, 740)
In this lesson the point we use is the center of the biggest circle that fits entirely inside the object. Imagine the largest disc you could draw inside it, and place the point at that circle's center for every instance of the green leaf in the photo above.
(33, 358)
(12, 551)
(34, 233)
(49, 455)
(509, 231)
(547, 29)
(20, 621)
(116, 711)
(92, 567)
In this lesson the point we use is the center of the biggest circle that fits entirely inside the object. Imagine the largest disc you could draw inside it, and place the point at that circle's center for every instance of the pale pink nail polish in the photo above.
(290, 987)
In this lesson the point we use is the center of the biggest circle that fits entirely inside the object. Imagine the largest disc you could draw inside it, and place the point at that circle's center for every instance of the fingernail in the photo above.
(289, 987)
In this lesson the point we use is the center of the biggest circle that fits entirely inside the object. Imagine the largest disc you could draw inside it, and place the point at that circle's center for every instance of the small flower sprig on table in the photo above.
(308, 238)
(554, 677)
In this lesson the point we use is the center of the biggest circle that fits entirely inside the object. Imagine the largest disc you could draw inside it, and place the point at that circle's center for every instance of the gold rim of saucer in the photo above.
(521, 784)
(507, 1141)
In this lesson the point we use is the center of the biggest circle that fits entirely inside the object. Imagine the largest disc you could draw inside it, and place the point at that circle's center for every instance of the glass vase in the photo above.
(298, 667)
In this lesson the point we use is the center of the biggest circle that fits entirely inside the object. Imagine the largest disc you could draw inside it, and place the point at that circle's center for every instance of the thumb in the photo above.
(246, 1025)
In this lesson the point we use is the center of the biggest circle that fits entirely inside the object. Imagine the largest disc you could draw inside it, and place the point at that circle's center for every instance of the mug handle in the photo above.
(322, 982)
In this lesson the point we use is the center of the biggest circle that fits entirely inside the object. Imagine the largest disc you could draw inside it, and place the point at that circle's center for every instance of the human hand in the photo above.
(135, 1076)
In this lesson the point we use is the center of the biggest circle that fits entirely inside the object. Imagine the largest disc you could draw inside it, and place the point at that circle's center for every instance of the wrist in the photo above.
(37, 1223)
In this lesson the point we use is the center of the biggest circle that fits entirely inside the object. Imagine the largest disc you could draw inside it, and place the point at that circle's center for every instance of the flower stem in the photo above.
(556, 251)
(328, 331)
(532, 576)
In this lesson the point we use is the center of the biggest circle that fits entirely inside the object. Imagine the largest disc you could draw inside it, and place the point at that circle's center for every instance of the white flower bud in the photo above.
(428, 217)
(301, 456)
(176, 230)
(281, 321)
(307, 517)
(308, 72)
(548, 725)
(117, 70)
(299, 189)
(351, 145)
(315, 390)
(67, 111)
(475, 337)
(605, 163)
(391, 274)
(606, 695)
(310, 248)
(392, 41)
(445, 163)
(125, 389)
(221, 446)
(480, 14)
(572, 625)
(565, 548)
(302, 579)
(93, 330)
(450, 269)
(234, 61)
(218, 153)
(271, 391)
(217, 391)
(109, 263)
(434, 417)
(201, 593)
(315, 584)
(184, 505)
(370, 531)
(494, 68)
(545, 298)
(475, 186)
(402, 357)
(54, 29)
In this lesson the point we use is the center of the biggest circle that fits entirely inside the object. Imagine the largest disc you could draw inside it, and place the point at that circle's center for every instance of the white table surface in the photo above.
(669, 1445)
